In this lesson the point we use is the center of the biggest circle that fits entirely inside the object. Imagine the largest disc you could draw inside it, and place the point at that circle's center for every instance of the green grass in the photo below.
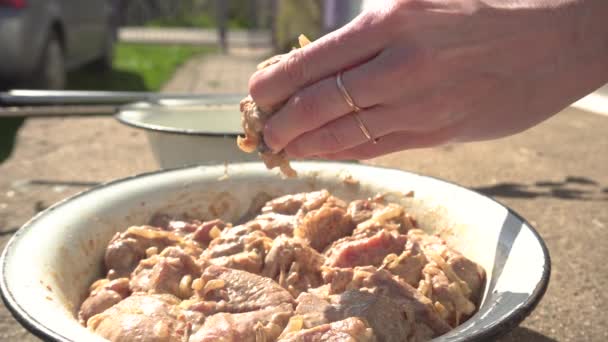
(137, 67)
(200, 20)
(296, 17)
(203, 20)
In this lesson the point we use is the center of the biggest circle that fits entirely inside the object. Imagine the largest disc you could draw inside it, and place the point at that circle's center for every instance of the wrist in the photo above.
(588, 31)
(593, 23)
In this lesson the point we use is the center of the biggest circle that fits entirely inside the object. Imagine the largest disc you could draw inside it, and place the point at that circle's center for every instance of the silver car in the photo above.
(40, 40)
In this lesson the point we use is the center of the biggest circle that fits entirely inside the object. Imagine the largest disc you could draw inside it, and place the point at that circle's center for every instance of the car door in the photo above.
(86, 27)
(97, 20)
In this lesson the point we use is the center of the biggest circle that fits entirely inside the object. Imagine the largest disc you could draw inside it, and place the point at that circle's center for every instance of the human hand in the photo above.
(428, 72)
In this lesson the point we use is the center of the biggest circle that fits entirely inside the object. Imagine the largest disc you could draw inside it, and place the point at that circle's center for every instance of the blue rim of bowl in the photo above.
(491, 332)
(120, 116)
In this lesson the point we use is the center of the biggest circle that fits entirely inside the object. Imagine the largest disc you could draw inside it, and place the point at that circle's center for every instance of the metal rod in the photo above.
(71, 97)
(57, 111)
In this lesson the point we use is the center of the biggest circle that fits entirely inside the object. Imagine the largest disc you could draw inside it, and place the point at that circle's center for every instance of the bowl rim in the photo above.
(121, 117)
(40, 330)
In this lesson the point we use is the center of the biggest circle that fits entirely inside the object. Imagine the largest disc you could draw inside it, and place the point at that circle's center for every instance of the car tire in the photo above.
(51, 73)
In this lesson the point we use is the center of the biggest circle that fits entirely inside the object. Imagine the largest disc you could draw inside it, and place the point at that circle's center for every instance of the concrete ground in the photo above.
(555, 175)
(195, 36)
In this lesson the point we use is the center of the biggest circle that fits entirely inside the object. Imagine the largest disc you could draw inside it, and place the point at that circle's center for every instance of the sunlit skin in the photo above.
(430, 72)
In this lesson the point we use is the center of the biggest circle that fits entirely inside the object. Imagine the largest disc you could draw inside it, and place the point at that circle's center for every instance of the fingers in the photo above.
(350, 45)
(394, 142)
(441, 108)
(340, 134)
(389, 76)
(317, 105)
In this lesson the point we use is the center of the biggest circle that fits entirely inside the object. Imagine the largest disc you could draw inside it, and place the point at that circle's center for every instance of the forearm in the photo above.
(576, 34)
(586, 46)
(582, 24)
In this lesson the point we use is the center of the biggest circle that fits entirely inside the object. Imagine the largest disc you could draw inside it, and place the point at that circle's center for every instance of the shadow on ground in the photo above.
(571, 188)
(8, 134)
(521, 334)
(120, 80)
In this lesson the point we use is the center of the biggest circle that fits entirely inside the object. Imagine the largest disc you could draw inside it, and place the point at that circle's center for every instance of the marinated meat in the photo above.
(360, 251)
(253, 120)
(322, 226)
(243, 252)
(362, 210)
(170, 272)
(469, 272)
(189, 229)
(350, 329)
(126, 249)
(381, 282)
(374, 216)
(314, 309)
(261, 325)
(316, 217)
(103, 295)
(302, 202)
(294, 265)
(203, 233)
(222, 289)
(451, 281)
(389, 320)
(144, 318)
(274, 225)
(180, 225)
(408, 265)
(360, 272)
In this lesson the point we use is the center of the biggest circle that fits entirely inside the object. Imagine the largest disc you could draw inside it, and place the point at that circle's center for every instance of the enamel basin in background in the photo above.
(48, 265)
(184, 132)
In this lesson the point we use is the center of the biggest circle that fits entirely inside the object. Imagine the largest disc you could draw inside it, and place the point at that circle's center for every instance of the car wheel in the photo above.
(51, 72)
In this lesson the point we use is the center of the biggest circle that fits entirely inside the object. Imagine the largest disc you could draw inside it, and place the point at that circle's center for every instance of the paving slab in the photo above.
(555, 175)
(194, 36)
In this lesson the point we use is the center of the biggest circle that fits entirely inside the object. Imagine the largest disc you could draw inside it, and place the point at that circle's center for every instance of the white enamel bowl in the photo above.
(184, 132)
(48, 265)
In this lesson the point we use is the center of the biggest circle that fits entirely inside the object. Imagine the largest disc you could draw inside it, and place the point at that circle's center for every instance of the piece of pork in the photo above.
(363, 251)
(189, 229)
(103, 294)
(273, 224)
(321, 227)
(170, 272)
(407, 265)
(204, 232)
(294, 265)
(381, 282)
(150, 318)
(389, 319)
(222, 289)
(243, 252)
(282, 215)
(371, 216)
(253, 120)
(262, 325)
(349, 329)
(301, 202)
(453, 282)
(126, 249)
(315, 216)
